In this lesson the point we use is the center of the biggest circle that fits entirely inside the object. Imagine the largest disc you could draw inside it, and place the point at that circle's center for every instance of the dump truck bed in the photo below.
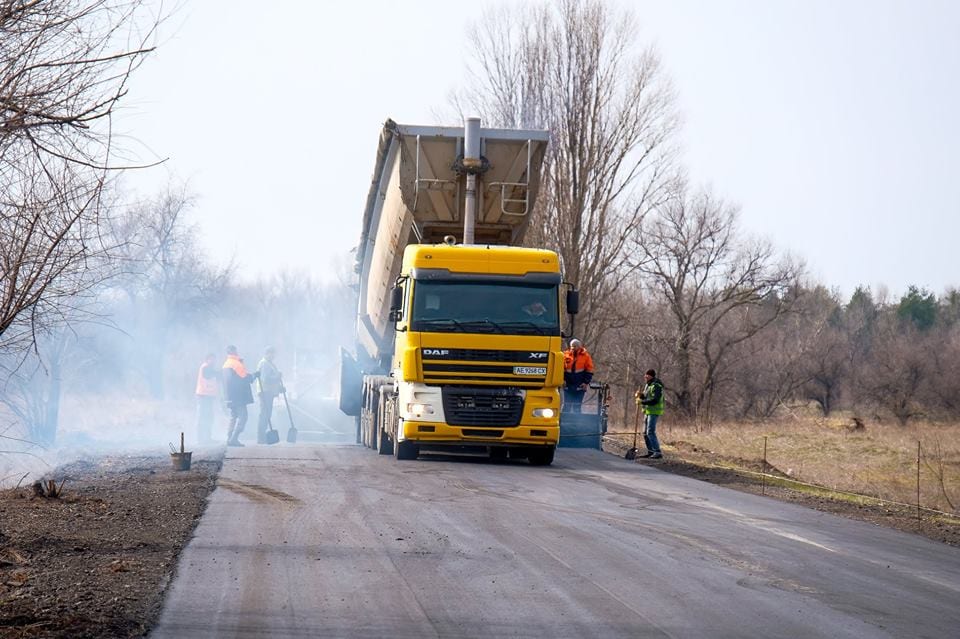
(417, 196)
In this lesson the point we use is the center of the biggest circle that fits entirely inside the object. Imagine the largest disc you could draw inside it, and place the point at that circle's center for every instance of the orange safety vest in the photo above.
(575, 362)
(234, 362)
(206, 387)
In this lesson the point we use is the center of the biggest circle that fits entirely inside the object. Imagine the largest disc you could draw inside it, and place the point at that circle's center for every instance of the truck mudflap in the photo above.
(351, 384)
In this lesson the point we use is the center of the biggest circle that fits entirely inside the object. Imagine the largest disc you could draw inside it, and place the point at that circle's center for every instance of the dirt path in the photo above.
(95, 562)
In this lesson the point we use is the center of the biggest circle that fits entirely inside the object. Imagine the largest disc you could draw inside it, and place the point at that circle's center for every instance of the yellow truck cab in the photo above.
(477, 359)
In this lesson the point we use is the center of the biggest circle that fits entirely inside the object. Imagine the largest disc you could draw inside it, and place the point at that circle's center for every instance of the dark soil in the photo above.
(95, 561)
(698, 464)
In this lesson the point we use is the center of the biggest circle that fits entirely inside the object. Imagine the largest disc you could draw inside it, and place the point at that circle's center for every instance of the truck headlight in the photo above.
(545, 413)
(418, 410)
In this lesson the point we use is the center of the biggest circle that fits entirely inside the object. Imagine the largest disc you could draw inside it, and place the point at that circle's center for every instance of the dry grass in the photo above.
(879, 461)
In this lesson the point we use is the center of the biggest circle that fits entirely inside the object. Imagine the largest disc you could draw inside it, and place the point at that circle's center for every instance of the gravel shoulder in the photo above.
(96, 561)
(703, 466)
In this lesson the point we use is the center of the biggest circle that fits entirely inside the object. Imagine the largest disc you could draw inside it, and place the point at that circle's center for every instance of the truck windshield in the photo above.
(485, 307)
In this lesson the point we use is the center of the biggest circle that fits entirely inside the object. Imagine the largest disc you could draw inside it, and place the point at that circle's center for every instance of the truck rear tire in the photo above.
(541, 456)
(405, 450)
(385, 415)
(384, 443)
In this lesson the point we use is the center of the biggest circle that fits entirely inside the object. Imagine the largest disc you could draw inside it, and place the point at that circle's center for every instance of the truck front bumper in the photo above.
(441, 433)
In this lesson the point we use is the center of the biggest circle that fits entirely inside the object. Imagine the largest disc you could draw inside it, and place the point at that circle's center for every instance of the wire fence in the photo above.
(625, 437)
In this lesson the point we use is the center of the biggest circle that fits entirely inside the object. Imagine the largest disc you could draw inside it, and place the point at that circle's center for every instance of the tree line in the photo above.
(668, 278)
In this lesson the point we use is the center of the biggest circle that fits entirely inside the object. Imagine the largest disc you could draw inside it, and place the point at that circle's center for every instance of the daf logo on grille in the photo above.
(436, 351)
(538, 355)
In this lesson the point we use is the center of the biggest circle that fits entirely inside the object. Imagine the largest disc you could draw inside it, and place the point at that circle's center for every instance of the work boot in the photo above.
(646, 454)
(656, 455)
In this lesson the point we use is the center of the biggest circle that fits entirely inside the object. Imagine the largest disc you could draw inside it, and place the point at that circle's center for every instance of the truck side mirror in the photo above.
(396, 298)
(396, 304)
(573, 301)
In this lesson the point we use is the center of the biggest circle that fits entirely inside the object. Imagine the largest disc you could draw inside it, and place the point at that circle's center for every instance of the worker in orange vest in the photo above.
(237, 393)
(208, 381)
(577, 374)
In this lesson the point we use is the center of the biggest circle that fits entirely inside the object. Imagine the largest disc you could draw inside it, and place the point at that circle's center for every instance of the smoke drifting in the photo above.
(121, 377)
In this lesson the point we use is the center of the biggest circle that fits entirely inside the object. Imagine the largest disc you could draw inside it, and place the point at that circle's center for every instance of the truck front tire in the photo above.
(542, 456)
(405, 450)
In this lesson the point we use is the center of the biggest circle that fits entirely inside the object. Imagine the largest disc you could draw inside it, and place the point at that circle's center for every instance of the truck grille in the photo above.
(478, 355)
(482, 406)
(485, 367)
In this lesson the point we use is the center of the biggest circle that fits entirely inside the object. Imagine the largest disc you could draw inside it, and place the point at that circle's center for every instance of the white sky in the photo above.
(836, 125)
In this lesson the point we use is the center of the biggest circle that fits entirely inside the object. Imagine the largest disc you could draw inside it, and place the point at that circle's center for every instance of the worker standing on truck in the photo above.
(650, 397)
(208, 378)
(577, 373)
(534, 309)
(269, 386)
(236, 393)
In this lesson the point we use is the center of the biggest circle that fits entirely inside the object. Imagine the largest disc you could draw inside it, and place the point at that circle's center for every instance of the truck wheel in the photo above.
(365, 427)
(541, 456)
(384, 443)
(405, 450)
(386, 414)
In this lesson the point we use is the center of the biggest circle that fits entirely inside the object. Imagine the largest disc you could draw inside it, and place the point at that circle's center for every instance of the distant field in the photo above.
(880, 460)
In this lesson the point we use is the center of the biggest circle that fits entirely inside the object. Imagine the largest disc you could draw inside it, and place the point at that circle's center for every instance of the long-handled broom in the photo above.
(632, 453)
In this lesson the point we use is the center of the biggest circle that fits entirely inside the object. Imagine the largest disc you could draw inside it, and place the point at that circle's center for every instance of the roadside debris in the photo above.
(48, 488)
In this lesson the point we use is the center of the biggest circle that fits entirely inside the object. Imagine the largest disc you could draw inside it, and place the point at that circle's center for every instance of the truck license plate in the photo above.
(529, 370)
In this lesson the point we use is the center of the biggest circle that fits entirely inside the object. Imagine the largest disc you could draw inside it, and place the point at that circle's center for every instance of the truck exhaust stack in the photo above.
(472, 165)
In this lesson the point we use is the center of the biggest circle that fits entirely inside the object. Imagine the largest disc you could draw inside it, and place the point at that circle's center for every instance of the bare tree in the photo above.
(32, 386)
(64, 67)
(720, 288)
(828, 359)
(169, 282)
(574, 68)
(900, 369)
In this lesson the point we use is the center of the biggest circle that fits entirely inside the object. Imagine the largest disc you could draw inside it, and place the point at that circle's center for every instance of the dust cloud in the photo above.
(121, 378)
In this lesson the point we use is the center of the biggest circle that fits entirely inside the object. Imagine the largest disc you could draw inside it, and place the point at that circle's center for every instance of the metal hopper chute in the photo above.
(478, 185)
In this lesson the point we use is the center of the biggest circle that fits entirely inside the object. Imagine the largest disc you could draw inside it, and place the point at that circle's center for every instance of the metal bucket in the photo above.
(181, 461)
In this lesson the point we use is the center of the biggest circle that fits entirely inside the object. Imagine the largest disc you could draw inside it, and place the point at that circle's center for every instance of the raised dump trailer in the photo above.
(458, 328)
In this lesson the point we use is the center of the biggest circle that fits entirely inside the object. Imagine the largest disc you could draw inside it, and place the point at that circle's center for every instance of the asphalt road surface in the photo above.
(336, 541)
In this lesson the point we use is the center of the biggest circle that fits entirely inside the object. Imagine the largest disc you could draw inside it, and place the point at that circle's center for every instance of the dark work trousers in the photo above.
(573, 397)
(650, 433)
(266, 413)
(205, 407)
(238, 420)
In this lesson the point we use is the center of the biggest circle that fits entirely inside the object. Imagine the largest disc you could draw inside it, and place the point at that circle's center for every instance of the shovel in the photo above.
(271, 436)
(632, 453)
(292, 433)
